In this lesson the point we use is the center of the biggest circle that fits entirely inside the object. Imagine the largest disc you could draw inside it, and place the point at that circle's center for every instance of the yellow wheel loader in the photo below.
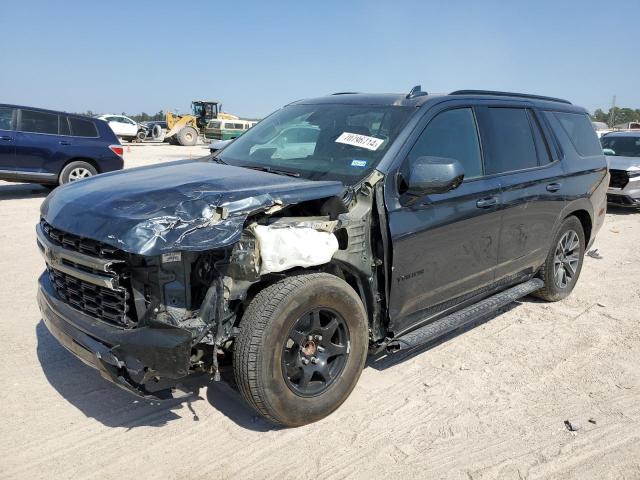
(185, 129)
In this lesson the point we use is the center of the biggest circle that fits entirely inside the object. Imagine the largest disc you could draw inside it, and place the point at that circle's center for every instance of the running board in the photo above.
(458, 319)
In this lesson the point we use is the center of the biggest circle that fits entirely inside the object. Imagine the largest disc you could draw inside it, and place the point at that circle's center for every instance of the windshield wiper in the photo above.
(274, 170)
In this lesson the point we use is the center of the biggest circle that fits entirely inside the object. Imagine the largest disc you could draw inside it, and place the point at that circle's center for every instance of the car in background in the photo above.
(218, 145)
(51, 148)
(125, 128)
(622, 150)
(227, 129)
(156, 129)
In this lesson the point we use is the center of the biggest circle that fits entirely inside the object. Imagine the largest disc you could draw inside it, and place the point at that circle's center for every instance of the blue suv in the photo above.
(52, 148)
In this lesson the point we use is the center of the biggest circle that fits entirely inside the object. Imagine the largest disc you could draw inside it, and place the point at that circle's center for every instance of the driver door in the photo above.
(445, 246)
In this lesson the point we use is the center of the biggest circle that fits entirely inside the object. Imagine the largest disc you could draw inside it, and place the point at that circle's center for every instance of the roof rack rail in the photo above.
(509, 94)
(416, 92)
(344, 93)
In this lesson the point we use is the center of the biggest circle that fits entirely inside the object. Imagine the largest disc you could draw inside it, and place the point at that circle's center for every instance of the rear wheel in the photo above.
(562, 267)
(301, 348)
(75, 171)
(187, 137)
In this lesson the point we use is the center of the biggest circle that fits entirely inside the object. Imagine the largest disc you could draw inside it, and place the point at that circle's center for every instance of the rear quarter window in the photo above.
(580, 131)
(64, 126)
(83, 128)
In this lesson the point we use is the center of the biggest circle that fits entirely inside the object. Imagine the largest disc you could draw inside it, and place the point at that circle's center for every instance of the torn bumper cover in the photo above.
(128, 358)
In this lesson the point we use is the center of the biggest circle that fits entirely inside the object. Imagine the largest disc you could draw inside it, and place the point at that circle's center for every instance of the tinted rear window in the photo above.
(580, 130)
(83, 128)
(541, 144)
(6, 118)
(512, 144)
(64, 126)
(39, 122)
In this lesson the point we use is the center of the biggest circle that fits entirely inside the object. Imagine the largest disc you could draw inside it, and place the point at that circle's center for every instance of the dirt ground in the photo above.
(490, 402)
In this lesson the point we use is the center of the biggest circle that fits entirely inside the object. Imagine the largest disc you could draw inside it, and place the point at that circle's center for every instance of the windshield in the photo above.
(621, 146)
(320, 142)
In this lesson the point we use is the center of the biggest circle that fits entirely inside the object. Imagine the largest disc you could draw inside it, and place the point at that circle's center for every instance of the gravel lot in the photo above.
(489, 403)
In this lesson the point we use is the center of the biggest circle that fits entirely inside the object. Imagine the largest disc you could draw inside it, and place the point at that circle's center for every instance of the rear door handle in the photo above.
(6, 138)
(487, 202)
(554, 187)
(64, 142)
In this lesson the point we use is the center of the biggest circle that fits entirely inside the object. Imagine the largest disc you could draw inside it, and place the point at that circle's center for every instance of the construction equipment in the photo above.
(185, 129)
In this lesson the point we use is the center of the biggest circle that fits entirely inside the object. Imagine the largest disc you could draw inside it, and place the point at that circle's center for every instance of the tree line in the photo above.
(616, 115)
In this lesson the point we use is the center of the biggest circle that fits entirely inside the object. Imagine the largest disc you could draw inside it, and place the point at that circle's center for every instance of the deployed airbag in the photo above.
(282, 248)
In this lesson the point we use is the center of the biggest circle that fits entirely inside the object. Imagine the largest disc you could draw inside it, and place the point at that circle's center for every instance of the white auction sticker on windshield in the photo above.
(357, 140)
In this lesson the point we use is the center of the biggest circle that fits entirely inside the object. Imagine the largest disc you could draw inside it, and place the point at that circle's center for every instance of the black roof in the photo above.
(493, 93)
(404, 100)
(382, 99)
(38, 109)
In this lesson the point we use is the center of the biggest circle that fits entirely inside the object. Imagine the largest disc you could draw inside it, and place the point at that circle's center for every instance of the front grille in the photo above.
(80, 244)
(109, 305)
(619, 178)
(103, 303)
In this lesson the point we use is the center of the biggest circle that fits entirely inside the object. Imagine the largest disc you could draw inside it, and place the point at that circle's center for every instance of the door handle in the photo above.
(487, 202)
(64, 142)
(6, 138)
(554, 187)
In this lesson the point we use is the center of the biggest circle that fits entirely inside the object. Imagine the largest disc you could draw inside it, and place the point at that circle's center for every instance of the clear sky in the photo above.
(254, 56)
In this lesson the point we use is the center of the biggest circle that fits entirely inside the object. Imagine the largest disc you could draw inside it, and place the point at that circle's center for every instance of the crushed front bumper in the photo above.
(626, 190)
(130, 358)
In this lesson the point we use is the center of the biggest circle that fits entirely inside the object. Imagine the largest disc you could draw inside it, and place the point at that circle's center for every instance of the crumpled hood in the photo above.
(186, 205)
(623, 163)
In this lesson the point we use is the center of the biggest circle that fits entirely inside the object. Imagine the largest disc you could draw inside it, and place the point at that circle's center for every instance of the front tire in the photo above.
(187, 137)
(301, 348)
(562, 267)
(141, 136)
(75, 171)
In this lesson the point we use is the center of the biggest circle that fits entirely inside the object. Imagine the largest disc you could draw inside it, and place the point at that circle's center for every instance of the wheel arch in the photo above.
(90, 161)
(334, 268)
(582, 209)
(585, 221)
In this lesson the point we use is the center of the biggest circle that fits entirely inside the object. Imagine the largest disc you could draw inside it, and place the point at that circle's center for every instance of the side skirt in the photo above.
(472, 313)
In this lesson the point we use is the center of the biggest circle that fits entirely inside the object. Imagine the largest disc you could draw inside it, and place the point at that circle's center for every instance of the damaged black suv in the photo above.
(337, 226)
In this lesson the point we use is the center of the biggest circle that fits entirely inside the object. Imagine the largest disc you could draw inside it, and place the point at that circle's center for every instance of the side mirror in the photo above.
(429, 175)
(608, 151)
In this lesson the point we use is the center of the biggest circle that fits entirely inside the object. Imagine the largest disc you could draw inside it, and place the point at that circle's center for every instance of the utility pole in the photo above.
(612, 113)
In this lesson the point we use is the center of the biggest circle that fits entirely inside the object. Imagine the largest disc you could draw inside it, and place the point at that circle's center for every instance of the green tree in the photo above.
(600, 116)
(616, 115)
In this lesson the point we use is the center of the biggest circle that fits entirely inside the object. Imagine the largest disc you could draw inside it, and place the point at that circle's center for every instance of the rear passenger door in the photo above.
(37, 143)
(7, 139)
(518, 154)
